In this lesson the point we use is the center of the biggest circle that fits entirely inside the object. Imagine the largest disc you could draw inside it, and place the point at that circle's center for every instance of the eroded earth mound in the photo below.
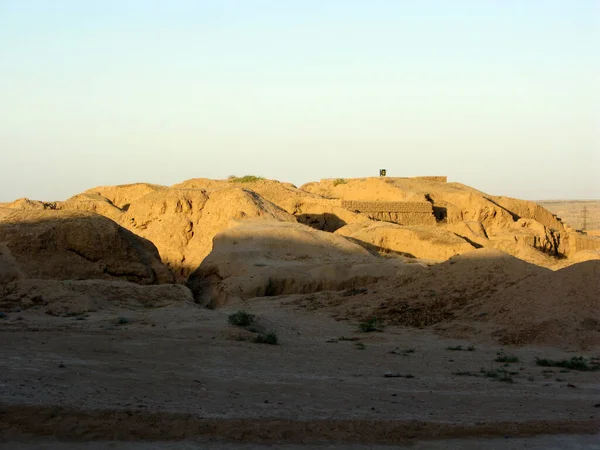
(257, 259)
(76, 245)
(332, 235)
(490, 294)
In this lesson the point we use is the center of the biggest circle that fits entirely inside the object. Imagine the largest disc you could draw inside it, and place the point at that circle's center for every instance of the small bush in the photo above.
(459, 348)
(360, 346)
(123, 320)
(575, 363)
(270, 338)
(504, 358)
(465, 373)
(370, 325)
(2, 315)
(245, 179)
(397, 375)
(499, 375)
(339, 181)
(404, 352)
(241, 319)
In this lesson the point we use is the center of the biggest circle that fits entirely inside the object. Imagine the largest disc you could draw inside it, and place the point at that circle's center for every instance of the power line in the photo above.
(584, 217)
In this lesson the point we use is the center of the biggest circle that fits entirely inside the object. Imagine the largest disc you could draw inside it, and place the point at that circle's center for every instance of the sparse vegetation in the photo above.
(465, 373)
(2, 315)
(575, 363)
(370, 325)
(458, 348)
(495, 374)
(269, 338)
(397, 375)
(353, 291)
(360, 346)
(339, 181)
(404, 352)
(241, 319)
(499, 375)
(245, 179)
(123, 320)
(504, 358)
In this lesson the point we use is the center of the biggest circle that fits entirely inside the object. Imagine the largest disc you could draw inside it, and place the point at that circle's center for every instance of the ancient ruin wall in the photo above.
(578, 242)
(403, 213)
(437, 179)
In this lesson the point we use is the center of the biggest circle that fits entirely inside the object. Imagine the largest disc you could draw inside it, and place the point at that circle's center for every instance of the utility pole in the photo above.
(584, 216)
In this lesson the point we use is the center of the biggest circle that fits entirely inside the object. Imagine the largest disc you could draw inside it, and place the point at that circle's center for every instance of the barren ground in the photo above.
(176, 377)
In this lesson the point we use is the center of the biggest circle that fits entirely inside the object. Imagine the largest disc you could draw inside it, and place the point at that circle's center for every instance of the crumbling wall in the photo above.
(403, 213)
(579, 242)
(529, 210)
(437, 179)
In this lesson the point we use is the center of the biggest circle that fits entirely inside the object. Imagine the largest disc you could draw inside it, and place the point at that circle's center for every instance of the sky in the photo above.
(502, 95)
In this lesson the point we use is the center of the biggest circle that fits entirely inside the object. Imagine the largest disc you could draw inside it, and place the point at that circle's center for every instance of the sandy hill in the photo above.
(442, 219)
(269, 258)
(183, 222)
(308, 208)
(93, 322)
(74, 245)
(123, 195)
(79, 297)
(486, 294)
(522, 228)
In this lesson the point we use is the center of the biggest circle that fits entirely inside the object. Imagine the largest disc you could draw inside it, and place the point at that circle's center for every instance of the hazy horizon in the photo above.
(502, 96)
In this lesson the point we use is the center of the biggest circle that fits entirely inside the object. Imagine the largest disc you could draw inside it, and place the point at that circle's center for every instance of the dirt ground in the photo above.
(181, 377)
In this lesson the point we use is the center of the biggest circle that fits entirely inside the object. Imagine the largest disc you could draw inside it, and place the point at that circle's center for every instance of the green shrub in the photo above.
(338, 181)
(465, 373)
(504, 358)
(245, 179)
(241, 319)
(270, 338)
(575, 363)
(370, 325)
(500, 375)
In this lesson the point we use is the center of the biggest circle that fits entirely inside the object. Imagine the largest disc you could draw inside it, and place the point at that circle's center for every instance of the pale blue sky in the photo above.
(503, 95)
